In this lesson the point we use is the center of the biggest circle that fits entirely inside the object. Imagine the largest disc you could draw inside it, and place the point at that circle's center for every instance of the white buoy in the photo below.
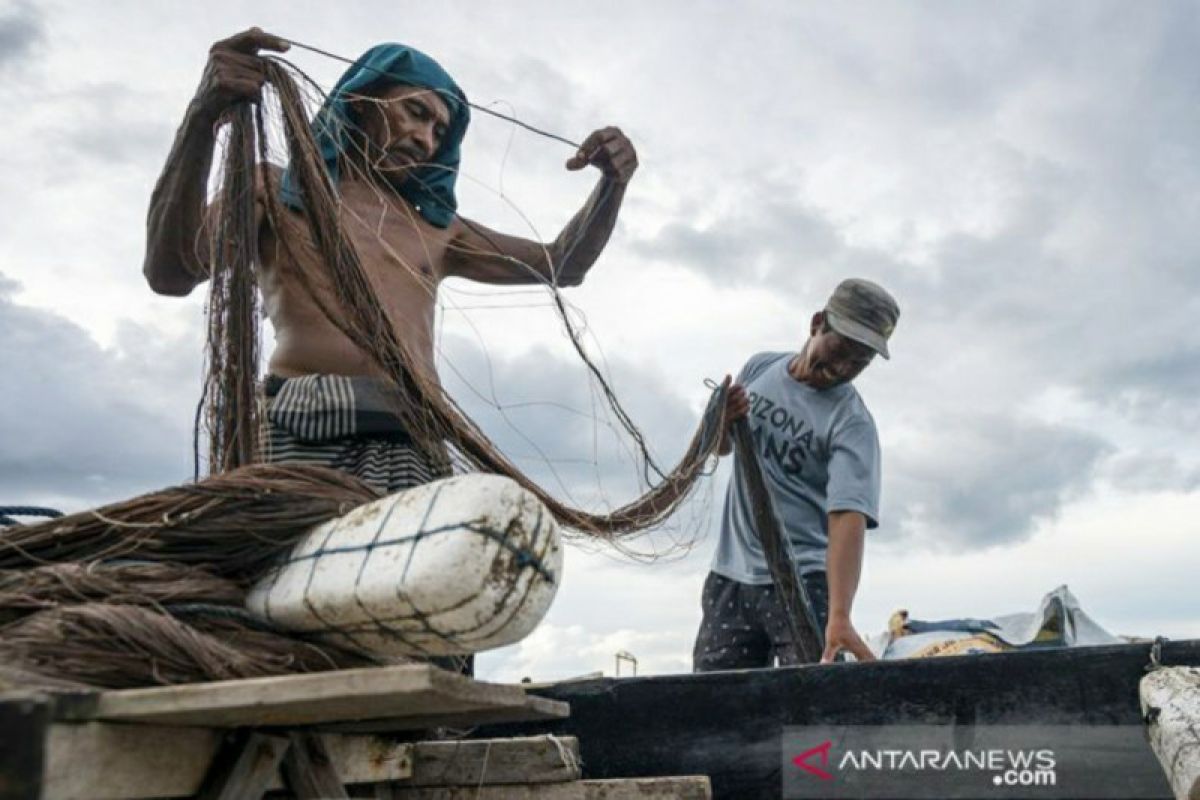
(1171, 702)
(457, 566)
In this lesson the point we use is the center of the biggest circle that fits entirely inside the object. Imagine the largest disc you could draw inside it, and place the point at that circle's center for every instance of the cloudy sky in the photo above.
(1024, 176)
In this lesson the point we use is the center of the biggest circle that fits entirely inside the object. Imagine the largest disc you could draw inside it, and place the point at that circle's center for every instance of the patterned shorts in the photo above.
(345, 423)
(744, 626)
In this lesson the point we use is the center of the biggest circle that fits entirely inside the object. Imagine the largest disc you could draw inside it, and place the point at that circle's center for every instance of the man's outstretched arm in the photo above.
(176, 246)
(481, 254)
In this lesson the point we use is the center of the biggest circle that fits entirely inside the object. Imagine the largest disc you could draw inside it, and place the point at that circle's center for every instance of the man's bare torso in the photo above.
(403, 257)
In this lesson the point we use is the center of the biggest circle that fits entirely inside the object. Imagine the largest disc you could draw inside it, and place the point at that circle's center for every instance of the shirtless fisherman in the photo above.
(397, 204)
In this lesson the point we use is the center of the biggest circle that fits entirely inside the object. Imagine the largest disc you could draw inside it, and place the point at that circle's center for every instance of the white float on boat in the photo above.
(457, 566)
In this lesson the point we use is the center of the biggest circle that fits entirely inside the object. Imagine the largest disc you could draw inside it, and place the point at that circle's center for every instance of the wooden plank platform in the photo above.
(407, 697)
(243, 738)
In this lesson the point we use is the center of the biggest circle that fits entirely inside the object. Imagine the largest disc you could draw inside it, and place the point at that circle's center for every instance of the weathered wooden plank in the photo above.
(395, 693)
(244, 767)
(667, 788)
(1171, 702)
(308, 771)
(472, 762)
(24, 718)
(109, 761)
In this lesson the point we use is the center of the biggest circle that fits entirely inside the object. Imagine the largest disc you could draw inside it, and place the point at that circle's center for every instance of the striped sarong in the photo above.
(344, 422)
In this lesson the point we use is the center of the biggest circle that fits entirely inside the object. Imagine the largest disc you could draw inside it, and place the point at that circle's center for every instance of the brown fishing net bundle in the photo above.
(151, 590)
(118, 646)
(235, 524)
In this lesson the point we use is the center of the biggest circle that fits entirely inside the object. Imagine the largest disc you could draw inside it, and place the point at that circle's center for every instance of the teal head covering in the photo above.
(430, 188)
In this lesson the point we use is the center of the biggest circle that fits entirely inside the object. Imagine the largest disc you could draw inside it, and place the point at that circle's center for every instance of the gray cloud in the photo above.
(776, 241)
(1116, 327)
(544, 97)
(22, 32)
(1148, 471)
(970, 482)
(510, 161)
(110, 124)
(1159, 386)
(83, 425)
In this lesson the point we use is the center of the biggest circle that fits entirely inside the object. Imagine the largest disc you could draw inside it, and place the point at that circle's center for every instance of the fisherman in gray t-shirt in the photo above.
(819, 453)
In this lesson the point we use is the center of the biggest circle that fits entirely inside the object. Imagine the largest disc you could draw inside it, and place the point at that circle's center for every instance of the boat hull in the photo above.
(730, 725)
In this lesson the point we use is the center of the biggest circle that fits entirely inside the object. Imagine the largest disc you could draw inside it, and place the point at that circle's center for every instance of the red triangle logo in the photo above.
(821, 750)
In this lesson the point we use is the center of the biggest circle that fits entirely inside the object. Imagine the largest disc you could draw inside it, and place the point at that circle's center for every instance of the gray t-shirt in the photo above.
(819, 452)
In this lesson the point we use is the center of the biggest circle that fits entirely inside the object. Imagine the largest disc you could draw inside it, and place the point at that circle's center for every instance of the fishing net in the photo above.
(435, 421)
